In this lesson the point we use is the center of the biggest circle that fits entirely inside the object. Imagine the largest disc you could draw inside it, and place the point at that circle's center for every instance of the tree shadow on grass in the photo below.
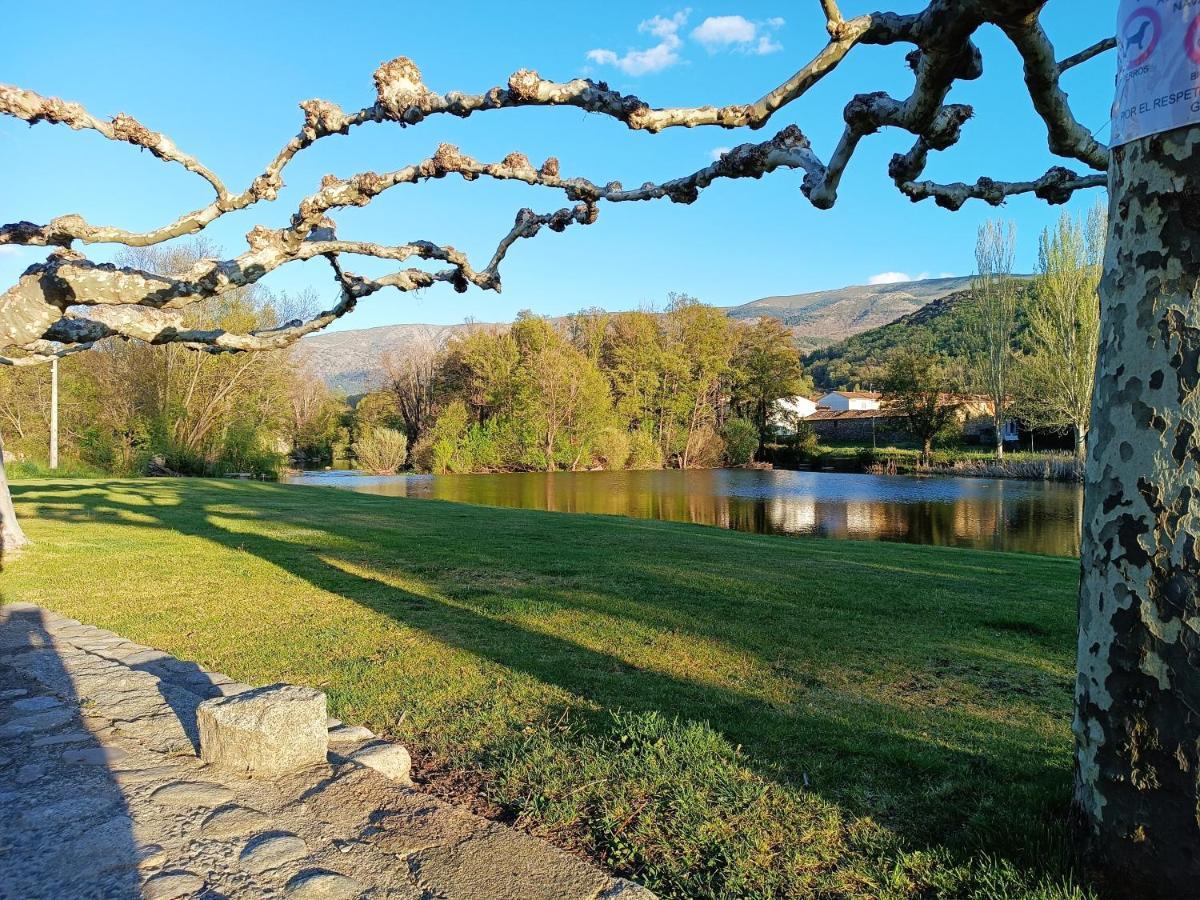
(938, 776)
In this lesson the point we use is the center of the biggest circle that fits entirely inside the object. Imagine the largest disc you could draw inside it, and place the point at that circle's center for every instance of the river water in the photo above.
(1025, 516)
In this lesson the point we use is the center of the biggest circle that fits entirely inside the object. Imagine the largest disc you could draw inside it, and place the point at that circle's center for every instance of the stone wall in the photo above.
(859, 430)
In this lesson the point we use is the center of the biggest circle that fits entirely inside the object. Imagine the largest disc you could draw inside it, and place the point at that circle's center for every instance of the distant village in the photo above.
(866, 417)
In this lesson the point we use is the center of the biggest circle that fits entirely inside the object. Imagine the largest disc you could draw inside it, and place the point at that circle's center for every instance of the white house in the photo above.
(843, 401)
(796, 407)
(786, 411)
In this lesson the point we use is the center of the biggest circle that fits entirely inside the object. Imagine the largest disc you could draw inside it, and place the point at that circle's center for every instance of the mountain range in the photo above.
(350, 360)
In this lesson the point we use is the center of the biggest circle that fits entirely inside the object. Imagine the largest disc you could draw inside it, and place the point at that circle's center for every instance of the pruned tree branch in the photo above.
(68, 302)
(1056, 186)
(34, 108)
(1090, 53)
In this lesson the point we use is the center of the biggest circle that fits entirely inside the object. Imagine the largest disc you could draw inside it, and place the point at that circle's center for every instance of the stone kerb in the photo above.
(267, 730)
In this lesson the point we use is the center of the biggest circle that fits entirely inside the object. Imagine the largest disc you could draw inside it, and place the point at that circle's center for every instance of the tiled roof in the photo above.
(859, 395)
(833, 415)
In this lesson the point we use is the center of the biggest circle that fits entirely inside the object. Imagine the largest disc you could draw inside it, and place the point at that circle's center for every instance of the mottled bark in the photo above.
(1137, 722)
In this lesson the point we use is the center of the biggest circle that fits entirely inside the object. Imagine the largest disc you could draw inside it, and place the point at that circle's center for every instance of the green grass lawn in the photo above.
(713, 713)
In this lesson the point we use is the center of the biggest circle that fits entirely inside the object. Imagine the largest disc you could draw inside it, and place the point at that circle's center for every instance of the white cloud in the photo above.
(766, 45)
(889, 278)
(901, 277)
(665, 28)
(718, 152)
(661, 56)
(10, 250)
(719, 31)
(715, 33)
(738, 33)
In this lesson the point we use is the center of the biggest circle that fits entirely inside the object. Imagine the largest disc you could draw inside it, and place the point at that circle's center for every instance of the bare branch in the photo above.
(1066, 136)
(402, 97)
(1056, 186)
(43, 306)
(34, 108)
(1090, 53)
(42, 352)
(833, 16)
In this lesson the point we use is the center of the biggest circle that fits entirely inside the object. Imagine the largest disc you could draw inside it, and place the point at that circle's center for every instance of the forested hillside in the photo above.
(859, 361)
(820, 318)
(349, 361)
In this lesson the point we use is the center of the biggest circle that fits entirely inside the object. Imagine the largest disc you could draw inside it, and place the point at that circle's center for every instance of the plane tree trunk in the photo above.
(1137, 723)
(12, 538)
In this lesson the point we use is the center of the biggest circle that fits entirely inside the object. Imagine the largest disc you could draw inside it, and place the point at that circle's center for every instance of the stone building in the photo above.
(880, 425)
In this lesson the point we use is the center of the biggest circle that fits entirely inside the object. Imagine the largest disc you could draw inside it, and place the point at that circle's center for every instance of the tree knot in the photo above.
(400, 90)
(447, 158)
(128, 129)
(260, 237)
(519, 164)
(267, 187)
(524, 84)
(1055, 187)
(321, 118)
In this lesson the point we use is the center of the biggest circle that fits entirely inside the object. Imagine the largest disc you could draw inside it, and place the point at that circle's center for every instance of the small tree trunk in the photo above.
(1080, 443)
(999, 427)
(1137, 717)
(54, 414)
(927, 451)
(12, 538)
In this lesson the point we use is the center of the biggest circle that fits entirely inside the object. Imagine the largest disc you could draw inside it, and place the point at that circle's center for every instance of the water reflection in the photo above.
(1032, 517)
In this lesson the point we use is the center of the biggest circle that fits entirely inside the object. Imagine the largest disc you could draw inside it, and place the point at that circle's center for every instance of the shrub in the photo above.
(708, 448)
(487, 447)
(442, 449)
(644, 452)
(613, 447)
(381, 450)
(242, 450)
(741, 441)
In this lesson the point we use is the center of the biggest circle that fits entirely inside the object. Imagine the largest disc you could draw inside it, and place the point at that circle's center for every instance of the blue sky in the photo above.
(224, 85)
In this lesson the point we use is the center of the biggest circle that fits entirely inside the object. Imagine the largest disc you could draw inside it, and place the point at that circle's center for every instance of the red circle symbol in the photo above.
(1193, 40)
(1142, 31)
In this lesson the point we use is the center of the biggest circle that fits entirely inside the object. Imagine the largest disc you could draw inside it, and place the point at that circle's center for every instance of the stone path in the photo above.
(102, 795)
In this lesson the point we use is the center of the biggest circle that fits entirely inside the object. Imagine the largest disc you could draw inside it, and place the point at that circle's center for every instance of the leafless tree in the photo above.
(410, 375)
(993, 319)
(1137, 730)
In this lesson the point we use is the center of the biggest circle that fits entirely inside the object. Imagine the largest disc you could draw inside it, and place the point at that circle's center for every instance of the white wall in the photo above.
(797, 406)
(788, 409)
(838, 401)
(863, 403)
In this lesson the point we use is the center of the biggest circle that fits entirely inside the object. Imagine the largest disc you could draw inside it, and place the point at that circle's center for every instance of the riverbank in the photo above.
(724, 714)
(958, 463)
